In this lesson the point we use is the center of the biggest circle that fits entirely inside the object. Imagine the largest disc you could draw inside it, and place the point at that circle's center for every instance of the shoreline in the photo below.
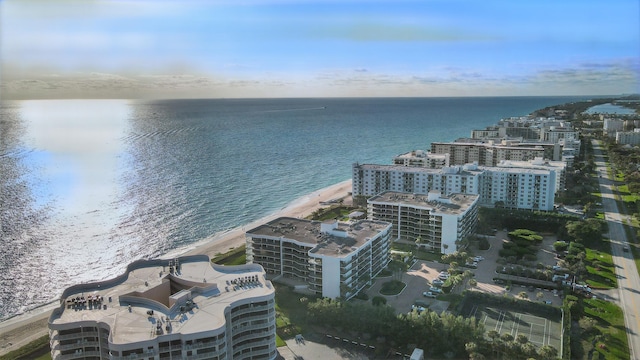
(300, 207)
(20, 329)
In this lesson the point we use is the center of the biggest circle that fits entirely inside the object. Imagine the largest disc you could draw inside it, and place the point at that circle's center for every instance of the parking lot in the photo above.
(419, 277)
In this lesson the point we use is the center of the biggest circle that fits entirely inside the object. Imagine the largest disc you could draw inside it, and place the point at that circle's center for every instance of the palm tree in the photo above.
(453, 267)
(506, 337)
(493, 335)
(547, 352)
(529, 350)
(522, 339)
(476, 356)
(507, 344)
(495, 341)
(471, 347)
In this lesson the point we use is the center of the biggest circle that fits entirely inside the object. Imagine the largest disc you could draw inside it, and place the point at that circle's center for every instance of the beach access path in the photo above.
(22, 329)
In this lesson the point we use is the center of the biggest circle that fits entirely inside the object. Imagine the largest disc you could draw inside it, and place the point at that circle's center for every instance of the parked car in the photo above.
(478, 258)
(437, 282)
(435, 290)
(443, 275)
(473, 265)
(429, 294)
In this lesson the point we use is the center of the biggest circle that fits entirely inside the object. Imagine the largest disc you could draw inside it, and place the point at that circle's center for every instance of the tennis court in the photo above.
(539, 330)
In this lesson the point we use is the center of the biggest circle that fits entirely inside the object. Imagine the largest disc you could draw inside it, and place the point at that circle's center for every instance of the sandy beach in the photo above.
(22, 329)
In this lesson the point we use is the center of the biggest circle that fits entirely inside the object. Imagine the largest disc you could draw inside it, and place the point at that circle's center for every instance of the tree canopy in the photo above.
(585, 231)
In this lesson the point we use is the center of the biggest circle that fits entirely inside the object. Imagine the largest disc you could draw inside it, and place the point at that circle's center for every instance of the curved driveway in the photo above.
(626, 271)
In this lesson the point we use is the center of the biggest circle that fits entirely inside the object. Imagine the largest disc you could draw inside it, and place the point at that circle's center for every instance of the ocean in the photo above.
(88, 186)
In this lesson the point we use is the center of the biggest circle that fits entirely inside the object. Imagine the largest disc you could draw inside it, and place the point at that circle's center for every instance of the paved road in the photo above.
(626, 271)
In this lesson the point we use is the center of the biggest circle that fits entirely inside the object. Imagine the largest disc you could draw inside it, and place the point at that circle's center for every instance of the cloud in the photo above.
(379, 31)
(622, 73)
(587, 78)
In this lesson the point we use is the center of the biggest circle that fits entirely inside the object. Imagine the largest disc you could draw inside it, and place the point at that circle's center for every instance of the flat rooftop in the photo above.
(135, 303)
(451, 170)
(454, 204)
(517, 170)
(420, 154)
(308, 233)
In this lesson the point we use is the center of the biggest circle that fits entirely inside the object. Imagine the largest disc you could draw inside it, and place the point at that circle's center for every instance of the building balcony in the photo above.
(83, 355)
(252, 344)
(76, 345)
(208, 355)
(77, 335)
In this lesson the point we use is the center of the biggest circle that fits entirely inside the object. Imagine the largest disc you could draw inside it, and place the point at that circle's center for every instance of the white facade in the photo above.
(554, 134)
(369, 179)
(185, 308)
(558, 166)
(525, 187)
(432, 221)
(488, 133)
(611, 126)
(628, 138)
(490, 153)
(422, 158)
(329, 259)
(518, 188)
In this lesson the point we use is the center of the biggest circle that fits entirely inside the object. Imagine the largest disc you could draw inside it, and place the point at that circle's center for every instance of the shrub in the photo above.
(507, 253)
(483, 244)
(560, 246)
(378, 301)
(392, 287)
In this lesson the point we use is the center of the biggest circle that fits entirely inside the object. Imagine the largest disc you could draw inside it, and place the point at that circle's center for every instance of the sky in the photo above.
(300, 48)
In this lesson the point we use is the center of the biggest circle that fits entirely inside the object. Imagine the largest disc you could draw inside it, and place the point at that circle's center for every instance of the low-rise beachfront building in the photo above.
(555, 134)
(491, 132)
(369, 179)
(611, 126)
(422, 158)
(490, 152)
(628, 137)
(330, 259)
(184, 308)
(432, 221)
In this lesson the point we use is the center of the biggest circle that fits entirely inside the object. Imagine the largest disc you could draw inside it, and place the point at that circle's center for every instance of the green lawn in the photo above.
(609, 334)
(291, 312)
(333, 212)
(601, 270)
(37, 349)
(626, 195)
(419, 254)
(237, 256)
(392, 287)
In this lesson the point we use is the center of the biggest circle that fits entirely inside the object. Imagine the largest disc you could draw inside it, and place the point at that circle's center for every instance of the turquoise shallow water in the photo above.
(610, 109)
(91, 185)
